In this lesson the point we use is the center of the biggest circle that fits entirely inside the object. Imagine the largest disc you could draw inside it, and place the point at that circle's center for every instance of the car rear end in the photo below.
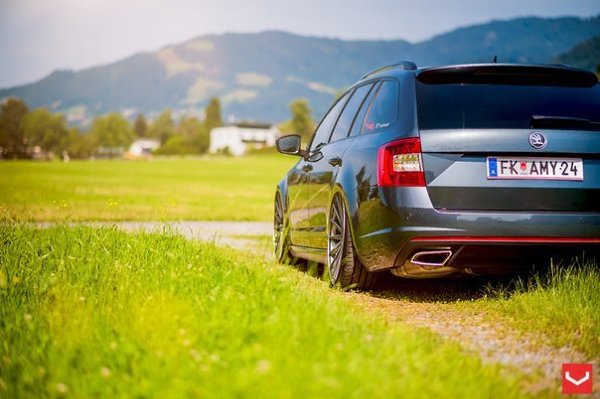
(509, 164)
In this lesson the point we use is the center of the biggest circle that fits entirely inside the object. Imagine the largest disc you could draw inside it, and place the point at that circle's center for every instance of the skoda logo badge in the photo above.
(537, 140)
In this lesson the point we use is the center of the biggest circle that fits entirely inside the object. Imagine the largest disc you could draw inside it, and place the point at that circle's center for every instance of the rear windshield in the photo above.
(482, 106)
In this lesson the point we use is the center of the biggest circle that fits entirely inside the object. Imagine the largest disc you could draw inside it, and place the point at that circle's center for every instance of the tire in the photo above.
(281, 240)
(343, 268)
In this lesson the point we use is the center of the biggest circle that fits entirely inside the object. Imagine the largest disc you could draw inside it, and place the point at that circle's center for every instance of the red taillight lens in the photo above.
(399, 164)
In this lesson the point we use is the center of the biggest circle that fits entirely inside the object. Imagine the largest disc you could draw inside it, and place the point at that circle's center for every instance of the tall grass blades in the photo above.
(562, 301)
(101, 313)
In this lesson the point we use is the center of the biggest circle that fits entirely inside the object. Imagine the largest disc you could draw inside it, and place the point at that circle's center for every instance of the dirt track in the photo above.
(493, 341)
(424, 304)
(241, 235)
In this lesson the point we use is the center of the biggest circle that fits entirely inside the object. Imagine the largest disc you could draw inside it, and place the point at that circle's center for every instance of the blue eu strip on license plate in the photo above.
(528, 168)
(492, 167)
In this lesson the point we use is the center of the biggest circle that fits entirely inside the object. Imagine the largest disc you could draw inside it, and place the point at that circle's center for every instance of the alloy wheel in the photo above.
(336, 238)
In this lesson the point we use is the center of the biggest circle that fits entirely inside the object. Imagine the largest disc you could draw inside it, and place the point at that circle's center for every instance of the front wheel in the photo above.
(281, 241)
(343, 266)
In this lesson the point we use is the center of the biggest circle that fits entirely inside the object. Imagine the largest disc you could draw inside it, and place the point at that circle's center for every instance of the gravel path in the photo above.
(493, 341)
(250, 236)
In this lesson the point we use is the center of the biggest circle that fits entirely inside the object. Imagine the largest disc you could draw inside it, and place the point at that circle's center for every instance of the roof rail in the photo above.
(405, 65)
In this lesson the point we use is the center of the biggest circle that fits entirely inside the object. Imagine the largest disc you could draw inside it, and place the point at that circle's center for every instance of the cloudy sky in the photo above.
(39, 36)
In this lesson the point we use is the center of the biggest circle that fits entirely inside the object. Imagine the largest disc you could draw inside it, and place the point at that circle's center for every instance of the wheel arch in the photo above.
(281, 189)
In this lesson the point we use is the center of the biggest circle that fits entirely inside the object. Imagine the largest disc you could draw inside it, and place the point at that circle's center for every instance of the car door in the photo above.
(298, 179)
(299, 232)
(328, 164)
(314, 155)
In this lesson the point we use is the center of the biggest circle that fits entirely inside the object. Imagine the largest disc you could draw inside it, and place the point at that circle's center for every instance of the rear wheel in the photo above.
(343, 268)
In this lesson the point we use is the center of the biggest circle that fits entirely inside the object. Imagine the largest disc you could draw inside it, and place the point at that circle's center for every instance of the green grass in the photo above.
(103, 313)
(209, 188)
(562, 303)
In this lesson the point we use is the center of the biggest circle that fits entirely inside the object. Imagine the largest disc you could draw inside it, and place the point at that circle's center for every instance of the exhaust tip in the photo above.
(431, 258)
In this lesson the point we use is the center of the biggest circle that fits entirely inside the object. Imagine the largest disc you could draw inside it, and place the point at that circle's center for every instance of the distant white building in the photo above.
(143, 147)
(238, 139)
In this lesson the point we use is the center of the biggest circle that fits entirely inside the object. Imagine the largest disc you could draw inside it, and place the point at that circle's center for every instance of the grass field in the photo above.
(97, 313)
(102, 313)
(164, 189)
(562, 303)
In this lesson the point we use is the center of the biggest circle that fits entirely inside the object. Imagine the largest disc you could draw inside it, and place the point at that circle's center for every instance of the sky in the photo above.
(40, 36)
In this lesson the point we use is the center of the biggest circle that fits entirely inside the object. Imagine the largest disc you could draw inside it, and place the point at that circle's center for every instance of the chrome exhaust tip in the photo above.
(435, 258)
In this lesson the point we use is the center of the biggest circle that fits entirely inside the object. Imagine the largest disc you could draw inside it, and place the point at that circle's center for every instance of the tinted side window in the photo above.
(342, 127)
(360, 117)
(383, 109)
(321, 136)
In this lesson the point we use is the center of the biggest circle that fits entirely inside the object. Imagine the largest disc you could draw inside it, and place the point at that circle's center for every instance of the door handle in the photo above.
(307, 167)
(335, 161)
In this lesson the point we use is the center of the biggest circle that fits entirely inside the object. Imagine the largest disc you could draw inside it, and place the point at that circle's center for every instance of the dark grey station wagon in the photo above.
(430, 172)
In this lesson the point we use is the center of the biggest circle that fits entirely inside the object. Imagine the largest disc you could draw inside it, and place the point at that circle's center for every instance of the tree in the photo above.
(81, 145)
(175, 145)
(301, 122)
(190, 137)
(12, 139)
(47, 130)
(213, 114)
(195, 133)
(163, 127)
(140, 126)
(112, 131)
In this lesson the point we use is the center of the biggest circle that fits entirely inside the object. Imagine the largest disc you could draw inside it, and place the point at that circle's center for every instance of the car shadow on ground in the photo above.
(466, 288)
(439, 290)
(461, 287)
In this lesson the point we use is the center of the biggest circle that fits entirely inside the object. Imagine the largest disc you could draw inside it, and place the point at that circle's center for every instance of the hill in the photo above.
(257, 75)
(584, 55)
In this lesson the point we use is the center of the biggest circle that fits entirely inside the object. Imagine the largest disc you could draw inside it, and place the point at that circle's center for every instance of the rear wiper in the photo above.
(562, 122)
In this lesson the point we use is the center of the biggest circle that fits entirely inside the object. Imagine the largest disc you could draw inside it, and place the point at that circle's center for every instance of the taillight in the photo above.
(399, 164)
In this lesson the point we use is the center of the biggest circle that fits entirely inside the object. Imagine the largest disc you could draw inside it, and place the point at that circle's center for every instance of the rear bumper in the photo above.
(390, 233)
(489, 255)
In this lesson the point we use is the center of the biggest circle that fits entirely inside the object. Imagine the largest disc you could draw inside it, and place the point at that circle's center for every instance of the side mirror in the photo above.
(289, 145)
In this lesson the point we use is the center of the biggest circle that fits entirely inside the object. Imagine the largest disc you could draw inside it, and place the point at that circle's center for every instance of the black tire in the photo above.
(343, 267)
(281, 240)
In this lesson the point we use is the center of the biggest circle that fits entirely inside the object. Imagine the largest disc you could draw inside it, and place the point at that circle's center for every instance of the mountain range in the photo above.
(584, 55)
(256, 75)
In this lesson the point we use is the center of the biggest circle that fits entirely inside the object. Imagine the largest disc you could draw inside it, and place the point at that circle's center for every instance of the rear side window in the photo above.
(360, 117)
(342, 127)
(501, 106)
(383, 109)
(321, 136)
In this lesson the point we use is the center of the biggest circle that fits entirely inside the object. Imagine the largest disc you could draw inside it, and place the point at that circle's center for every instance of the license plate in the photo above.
(535, 168)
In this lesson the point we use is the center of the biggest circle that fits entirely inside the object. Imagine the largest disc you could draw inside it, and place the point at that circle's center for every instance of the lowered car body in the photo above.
(476, 169)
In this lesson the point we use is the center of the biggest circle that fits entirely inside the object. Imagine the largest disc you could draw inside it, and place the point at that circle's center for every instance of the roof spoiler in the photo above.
(404, 65)
(509, 74)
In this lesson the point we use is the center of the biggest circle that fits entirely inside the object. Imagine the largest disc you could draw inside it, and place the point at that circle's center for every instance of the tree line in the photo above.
(24, 131)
